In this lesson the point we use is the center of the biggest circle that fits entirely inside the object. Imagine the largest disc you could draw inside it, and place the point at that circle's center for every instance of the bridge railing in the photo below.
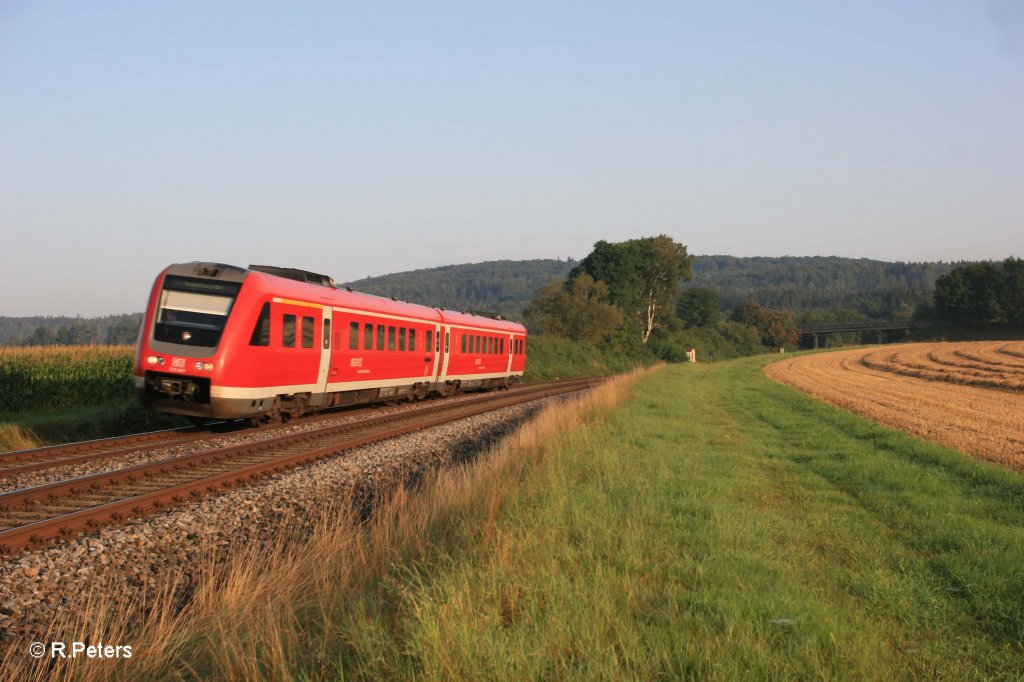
(861, 326)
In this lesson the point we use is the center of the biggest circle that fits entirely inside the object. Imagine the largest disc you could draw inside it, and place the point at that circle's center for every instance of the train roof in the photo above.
(475, 320)
(312, 287)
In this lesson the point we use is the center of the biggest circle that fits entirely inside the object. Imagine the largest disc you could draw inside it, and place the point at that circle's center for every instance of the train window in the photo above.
(367, 337)
(430, 339)
(401, 338)
(476, 347)
(490, 345)
(327, 333)
(308, 331)
(464, 337)
(391, 338)
(380, 337)
(261, 332)
(501, 346)
(353, 336)
(412, 339)
(447, 338)
(288, 332)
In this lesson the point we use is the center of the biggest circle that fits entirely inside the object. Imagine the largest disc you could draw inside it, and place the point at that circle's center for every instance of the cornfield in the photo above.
(64, 376)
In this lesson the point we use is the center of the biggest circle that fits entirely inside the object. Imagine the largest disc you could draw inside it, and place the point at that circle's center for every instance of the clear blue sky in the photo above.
(365, 138)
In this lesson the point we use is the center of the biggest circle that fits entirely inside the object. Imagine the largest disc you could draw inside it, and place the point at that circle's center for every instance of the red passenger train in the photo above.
(267, 343)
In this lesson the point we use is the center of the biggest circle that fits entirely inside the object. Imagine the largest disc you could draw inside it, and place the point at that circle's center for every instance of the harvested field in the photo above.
(968, 396)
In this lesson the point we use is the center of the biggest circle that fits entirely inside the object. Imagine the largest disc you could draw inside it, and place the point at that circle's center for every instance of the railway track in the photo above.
(18, 462)
(27, 461)
(37, 514)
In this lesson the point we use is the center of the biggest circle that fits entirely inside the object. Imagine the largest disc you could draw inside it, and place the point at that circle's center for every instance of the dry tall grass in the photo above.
(14, 437)
(269, 613)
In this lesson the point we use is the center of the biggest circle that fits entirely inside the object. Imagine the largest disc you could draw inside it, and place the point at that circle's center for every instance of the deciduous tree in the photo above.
(699, 307)
(578, 309)
(642, 276)
(775, 325)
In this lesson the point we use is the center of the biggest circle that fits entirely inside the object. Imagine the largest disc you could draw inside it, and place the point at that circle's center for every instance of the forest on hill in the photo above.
(807, 284)
(503, 286)
(812, 287)
(874, 289)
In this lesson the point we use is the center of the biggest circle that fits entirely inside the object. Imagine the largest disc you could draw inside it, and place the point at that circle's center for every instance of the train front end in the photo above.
(185, 337)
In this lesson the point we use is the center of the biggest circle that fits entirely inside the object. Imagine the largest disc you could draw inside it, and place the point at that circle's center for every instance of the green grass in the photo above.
(110, 418)
(720, 526)
(716, 525)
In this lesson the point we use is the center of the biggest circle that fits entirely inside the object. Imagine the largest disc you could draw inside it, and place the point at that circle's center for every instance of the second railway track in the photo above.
(34, 515)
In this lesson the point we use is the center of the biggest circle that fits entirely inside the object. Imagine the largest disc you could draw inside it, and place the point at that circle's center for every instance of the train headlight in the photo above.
(199, 366)
(152, 359)
(208, 366)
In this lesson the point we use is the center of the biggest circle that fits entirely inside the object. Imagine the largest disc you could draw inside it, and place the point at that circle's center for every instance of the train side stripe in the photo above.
(261, 392)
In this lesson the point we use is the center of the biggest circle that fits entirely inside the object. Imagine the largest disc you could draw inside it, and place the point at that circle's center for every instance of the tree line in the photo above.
(626, 298)
(982, 293)
(111, 330)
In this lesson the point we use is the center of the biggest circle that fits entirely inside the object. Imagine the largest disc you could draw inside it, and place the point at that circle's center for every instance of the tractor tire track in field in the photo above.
(968, 396)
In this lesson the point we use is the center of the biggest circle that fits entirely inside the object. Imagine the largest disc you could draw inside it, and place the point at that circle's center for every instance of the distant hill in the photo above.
(502, 286)
(876, 289)
(73, 331)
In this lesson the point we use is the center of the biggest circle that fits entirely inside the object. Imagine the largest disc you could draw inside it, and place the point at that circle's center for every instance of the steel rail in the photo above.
(18, 462)
(113, 445)
(370, 431)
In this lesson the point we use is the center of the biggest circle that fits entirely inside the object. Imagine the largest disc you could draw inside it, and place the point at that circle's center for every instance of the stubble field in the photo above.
(965, 395)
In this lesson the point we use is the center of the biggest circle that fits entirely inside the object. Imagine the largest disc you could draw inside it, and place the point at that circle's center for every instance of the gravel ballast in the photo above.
(133, 559)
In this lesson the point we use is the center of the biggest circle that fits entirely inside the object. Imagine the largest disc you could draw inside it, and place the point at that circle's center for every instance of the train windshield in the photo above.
(194, 311)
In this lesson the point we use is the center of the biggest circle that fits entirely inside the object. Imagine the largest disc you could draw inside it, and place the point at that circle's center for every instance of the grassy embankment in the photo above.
(718, 525)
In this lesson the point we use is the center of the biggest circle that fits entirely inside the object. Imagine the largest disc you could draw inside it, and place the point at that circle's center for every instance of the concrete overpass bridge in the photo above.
(821, 330)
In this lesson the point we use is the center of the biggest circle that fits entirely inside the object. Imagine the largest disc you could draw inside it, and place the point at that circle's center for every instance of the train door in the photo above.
(510, 340)
(325, 357)
(435, 354)
(445, 349)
